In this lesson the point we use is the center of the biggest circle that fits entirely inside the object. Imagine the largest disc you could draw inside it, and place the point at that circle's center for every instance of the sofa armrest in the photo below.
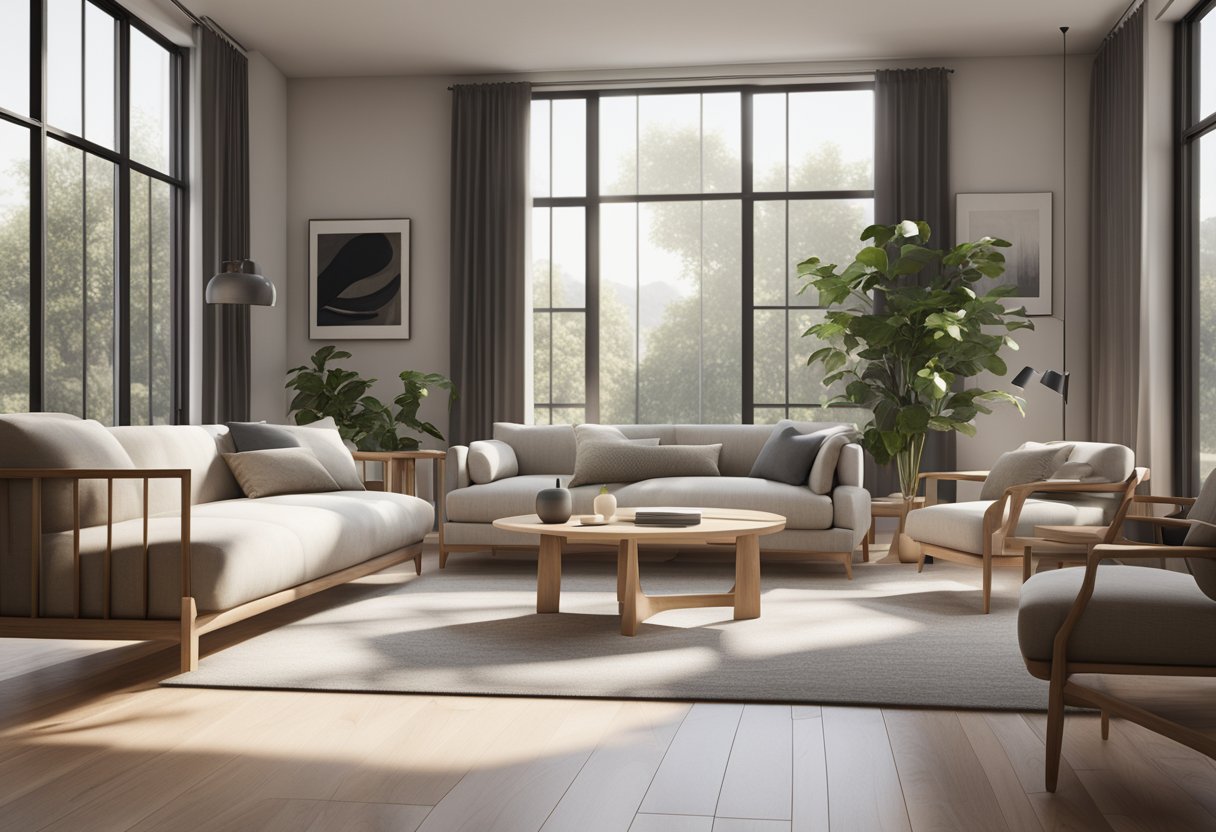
(850, 469)
(851, 508)
(457, 475)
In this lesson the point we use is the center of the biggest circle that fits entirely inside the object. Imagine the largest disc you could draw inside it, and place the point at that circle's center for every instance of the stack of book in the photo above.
(668, 517)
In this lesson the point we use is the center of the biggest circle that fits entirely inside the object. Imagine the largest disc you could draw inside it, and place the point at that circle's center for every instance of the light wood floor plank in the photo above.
(863, 785)
(1196, 777)
(369, 817)
(759, 778)
(521, 778)
(944, 785)
(810, 776)
(605, 795)
(671, 823)
(690, 777)
(1016, 808)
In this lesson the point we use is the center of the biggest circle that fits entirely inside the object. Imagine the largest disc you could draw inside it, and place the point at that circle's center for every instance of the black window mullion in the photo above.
(122, 317)
(591, 300)
(747, 332)
(37, 202)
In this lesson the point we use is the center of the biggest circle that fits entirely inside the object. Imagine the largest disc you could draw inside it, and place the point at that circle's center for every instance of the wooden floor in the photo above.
(88, 741)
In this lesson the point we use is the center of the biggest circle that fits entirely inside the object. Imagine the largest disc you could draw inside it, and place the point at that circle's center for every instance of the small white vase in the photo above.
(605, 504)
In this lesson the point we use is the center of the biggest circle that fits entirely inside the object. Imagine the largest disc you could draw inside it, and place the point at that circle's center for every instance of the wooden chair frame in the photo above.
(190, 625)
(1001, 544)
(1064, 691)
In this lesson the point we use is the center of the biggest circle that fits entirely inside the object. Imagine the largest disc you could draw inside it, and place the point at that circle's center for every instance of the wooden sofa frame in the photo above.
(1002, 545)
(1064, 691)
(185, 630)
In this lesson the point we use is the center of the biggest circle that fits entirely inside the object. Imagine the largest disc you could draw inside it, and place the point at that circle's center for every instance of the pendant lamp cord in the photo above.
(1064, 221)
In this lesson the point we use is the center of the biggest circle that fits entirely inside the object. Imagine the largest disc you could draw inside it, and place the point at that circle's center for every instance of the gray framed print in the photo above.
(1025, 221)
(358, 279)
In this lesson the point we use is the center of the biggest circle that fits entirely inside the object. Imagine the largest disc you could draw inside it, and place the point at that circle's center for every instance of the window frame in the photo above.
(747, 196)
(40, 132)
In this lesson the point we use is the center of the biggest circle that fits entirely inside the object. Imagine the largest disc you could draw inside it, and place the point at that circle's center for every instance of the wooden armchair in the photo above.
(997, 533)
(1121, 621)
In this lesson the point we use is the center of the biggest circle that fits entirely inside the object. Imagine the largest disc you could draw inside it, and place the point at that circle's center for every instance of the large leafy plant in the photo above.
(362, 419)
(905, 324)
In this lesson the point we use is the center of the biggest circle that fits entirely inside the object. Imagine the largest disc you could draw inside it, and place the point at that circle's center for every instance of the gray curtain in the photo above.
(488, 239)
(911, 166)
(1115, 235)
(224, 150)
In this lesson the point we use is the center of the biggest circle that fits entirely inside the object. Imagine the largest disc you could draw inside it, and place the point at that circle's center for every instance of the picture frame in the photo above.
(358, 279)
(1025, 221)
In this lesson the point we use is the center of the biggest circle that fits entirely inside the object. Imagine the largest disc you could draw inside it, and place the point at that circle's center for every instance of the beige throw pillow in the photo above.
(1026, 464)
(323, 439)
(605, 462)
(280, 471)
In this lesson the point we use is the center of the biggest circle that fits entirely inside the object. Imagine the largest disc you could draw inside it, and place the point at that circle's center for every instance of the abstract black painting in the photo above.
(359, 279)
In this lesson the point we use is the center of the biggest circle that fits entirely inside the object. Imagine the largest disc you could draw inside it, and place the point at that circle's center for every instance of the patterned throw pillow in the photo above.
(1022, 466)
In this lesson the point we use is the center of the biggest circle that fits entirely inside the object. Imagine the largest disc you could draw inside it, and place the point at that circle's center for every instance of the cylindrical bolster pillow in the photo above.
(490, 460)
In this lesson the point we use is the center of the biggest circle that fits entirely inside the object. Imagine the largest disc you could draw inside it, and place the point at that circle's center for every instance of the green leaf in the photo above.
(913, 419)
(873, 257)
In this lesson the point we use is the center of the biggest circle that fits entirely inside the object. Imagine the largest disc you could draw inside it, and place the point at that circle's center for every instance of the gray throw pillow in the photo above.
(605, 462)
(787, 455)
(259, 436)
(280, 471)
(1033, 464)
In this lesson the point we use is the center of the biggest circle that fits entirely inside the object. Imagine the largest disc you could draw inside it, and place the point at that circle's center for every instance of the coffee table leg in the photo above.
(622, 556)
(632, 590)
(747, 577)
(549, 573)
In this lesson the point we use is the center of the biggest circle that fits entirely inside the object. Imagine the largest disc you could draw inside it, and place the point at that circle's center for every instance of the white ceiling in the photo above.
(443, 37)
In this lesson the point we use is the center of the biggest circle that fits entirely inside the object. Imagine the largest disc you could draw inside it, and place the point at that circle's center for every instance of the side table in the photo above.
(1062, 544)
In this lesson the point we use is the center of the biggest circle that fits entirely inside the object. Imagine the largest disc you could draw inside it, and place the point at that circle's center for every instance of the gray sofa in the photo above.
(242, 556)
(829, 522)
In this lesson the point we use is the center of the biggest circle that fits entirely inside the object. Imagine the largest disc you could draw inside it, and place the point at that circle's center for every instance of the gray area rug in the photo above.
(889, 637)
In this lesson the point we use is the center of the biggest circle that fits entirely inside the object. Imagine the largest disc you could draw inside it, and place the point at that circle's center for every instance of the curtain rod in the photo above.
(210, 24)
(688, 78)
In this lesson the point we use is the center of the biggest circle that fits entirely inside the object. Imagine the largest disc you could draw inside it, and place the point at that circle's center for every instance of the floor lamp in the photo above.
(1057, 380)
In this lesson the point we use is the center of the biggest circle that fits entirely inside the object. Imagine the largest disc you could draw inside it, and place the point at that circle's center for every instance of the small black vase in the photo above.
(554, 505)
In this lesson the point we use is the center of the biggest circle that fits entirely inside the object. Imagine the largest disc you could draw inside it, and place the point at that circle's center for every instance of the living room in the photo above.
(545, 416)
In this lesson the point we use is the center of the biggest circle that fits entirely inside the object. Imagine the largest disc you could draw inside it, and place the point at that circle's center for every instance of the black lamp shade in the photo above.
(240, 283)
(1024, 377)
(1057, 382)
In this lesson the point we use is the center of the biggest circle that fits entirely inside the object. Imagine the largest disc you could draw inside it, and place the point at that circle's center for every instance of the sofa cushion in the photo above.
(1137, 615)
(276, 471)
(1026, 464)
(491, 459)
(197, 447)
(511, 497)
(626, 462)
(259, 436)
(801, 508)
(787, 455)
(960, 526)
(240, 550)
(323, 439)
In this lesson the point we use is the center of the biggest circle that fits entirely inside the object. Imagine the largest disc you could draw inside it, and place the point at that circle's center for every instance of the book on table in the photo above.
(664, 516)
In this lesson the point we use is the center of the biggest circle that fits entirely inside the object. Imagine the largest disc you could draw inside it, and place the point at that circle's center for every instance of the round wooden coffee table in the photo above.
(743, 528)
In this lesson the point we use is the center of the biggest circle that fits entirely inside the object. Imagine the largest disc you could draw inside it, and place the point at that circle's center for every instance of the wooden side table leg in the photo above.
(747, 577)
(411, 477)
(549, 574)
(633, 600)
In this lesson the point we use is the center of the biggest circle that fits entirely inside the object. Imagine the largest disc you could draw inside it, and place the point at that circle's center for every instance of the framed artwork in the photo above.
(358, 279)
(1025, 221)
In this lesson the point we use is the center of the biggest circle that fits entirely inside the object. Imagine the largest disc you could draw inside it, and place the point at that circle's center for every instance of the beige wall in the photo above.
(366, 148)
(379, 148)
(268, 234)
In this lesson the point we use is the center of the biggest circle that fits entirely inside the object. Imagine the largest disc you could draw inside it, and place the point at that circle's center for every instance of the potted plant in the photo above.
(900, 345)
(363, 420)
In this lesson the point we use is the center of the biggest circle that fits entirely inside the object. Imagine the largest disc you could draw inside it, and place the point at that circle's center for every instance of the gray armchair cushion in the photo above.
(1137, 615)
(1204, 569)
(960, 526)
(1024, 465)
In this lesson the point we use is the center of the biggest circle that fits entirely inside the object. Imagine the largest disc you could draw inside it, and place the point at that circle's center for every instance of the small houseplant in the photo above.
(362, 419)
(904, 325)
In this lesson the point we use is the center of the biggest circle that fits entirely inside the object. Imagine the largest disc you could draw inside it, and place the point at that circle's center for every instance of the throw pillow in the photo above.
(259, 436)
(588, 434)
(323, 439)
(787, 455)
(823, 469)
(280, 471)
(1078, 472)
(605, 462)
(490, 460)
(1022, 466)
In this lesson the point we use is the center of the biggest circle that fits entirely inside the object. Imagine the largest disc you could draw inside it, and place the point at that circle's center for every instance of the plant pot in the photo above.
(554, 505)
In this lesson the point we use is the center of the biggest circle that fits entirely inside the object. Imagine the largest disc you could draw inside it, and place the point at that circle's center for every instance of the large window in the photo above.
(666, 230)
(91, 213)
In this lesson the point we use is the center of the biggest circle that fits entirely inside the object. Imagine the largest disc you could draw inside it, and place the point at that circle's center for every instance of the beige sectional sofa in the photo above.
(242, 556)
(828, 521)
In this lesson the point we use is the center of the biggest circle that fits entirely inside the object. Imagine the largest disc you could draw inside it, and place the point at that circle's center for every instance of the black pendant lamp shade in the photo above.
(240, 283)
